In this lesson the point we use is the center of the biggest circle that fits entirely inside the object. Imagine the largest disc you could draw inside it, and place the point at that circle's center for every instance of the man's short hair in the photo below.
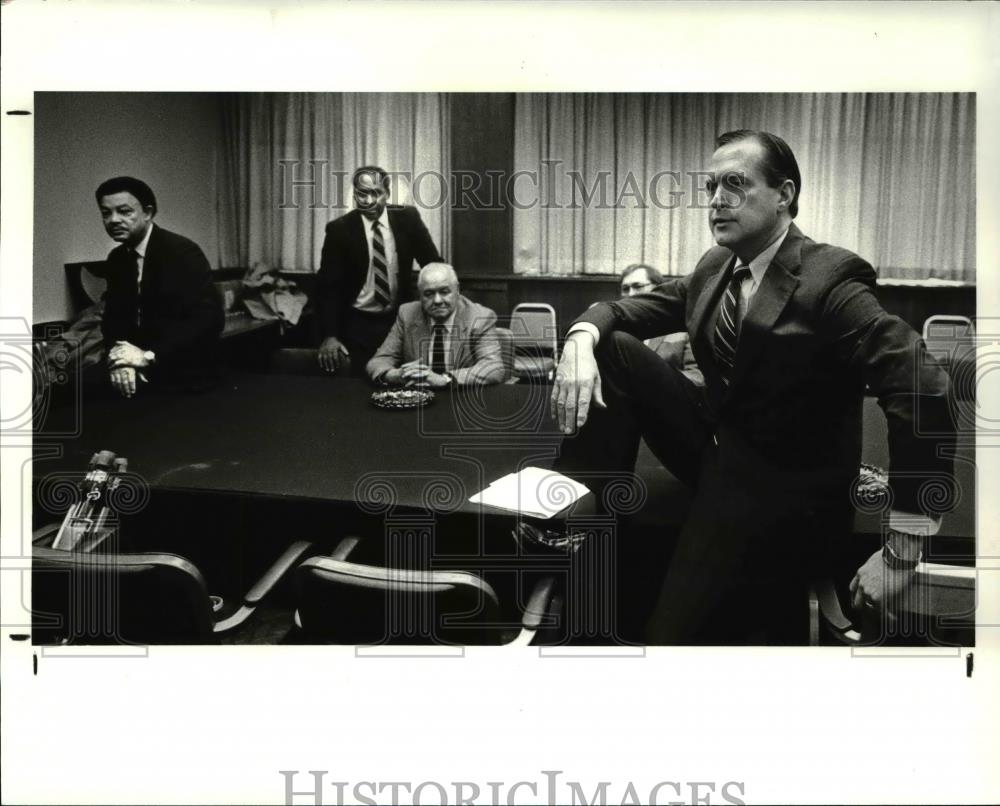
(128, 184)
(654, 276)
(380, 176)
(779, 162)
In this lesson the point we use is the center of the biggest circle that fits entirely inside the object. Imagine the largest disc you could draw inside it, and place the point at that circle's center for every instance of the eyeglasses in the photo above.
(628, 288)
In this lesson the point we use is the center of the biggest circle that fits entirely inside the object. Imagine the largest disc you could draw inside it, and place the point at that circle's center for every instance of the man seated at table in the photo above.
(441, 339)
(162, 314)
(674, 348)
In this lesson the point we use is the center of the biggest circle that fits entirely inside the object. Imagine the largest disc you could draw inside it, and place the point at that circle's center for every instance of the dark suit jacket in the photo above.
(344, 262)
(177, 314)
(813, 338)
(474, 351)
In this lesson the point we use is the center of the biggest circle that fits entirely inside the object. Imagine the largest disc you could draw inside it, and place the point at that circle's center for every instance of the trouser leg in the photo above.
(645, 397)
(742, 563)
(364, 336)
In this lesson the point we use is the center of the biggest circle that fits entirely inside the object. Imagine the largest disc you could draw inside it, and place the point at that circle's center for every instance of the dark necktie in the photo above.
(383, 294)
(132, 283)
(727, 330)
(437, 349)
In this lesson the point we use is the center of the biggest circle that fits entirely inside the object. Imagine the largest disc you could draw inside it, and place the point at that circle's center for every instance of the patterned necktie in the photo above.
(437, 349)
(727, 331)
(383, 294)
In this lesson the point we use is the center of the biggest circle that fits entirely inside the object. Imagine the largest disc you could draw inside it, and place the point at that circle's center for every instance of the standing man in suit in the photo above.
(672, 347)
(440, 340)
(162, 314)
(365, 271)
(788, 333)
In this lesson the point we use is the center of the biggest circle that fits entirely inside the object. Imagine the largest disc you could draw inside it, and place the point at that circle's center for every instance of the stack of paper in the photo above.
(532, 491)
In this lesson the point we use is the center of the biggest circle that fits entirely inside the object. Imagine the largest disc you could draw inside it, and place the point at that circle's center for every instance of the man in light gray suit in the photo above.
(442, 339)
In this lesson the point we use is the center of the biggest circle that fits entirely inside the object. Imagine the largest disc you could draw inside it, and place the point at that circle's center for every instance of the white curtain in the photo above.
(890, 177)
(287, 160)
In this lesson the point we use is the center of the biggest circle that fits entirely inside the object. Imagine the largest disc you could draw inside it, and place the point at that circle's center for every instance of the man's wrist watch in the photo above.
(893, 559)
(449, 379)
(149, 356)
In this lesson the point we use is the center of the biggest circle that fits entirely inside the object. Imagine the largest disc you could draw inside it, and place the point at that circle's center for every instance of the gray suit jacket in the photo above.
(474, 355)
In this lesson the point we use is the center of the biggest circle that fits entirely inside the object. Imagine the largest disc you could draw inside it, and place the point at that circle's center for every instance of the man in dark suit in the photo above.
(365, 271)
(788, 333)
(162, 314)
(440, 339)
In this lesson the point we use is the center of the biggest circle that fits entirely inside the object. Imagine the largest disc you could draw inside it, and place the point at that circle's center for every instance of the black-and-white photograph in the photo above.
(374, 379)
(457, 368)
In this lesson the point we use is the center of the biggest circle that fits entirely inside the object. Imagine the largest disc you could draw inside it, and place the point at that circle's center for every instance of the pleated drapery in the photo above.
(287, 160)
(889, 176)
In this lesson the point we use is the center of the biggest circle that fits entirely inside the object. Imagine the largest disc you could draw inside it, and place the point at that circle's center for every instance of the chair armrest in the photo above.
(344, 548)
(832, 615)
(291, 557)
(45, 535)
(538, 605)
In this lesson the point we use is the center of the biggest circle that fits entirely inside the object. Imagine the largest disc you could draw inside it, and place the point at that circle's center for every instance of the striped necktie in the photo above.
(437, 349)
(383, 294)
(727, 330)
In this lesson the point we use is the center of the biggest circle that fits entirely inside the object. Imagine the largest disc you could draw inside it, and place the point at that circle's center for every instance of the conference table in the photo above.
(307, 440)
(320, 439)
(329, 462)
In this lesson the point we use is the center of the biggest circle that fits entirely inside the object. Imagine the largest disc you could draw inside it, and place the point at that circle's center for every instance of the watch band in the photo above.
(893, 560)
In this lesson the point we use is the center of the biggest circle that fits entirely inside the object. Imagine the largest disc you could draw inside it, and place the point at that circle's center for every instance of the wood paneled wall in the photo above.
(482, 157)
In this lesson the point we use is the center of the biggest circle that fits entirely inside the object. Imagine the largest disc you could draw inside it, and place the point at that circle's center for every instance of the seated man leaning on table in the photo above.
(674, 348)
(441, 339)
(162, 313)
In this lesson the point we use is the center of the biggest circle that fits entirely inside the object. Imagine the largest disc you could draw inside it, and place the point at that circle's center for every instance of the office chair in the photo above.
(952, 341)
(939, 604)
(535, 349)
(506, 338)
(352, 603)
(138, 598)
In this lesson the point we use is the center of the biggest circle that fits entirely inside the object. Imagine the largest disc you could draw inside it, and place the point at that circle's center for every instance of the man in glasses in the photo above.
(789, 334)
(674, 348)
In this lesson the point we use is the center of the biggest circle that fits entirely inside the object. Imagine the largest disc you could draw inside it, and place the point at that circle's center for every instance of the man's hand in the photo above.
(878, 586)
(417, 373)
(577, 383)
(124, 354)
(125, 380)
(333, 355)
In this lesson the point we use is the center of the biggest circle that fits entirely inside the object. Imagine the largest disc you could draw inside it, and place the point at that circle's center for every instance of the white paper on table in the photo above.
(532, 491)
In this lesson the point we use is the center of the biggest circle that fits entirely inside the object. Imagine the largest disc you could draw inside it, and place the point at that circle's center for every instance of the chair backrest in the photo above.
(952, 341)
(946, 327)
(506, 339)
(533, 325)
(349, 603)
(143, 598)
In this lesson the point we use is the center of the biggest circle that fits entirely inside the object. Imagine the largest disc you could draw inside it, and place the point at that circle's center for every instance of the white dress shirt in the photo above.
(366, 300)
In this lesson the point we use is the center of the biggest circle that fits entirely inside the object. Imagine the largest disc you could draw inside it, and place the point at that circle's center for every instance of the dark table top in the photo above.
(321, 439)
(312, 438)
